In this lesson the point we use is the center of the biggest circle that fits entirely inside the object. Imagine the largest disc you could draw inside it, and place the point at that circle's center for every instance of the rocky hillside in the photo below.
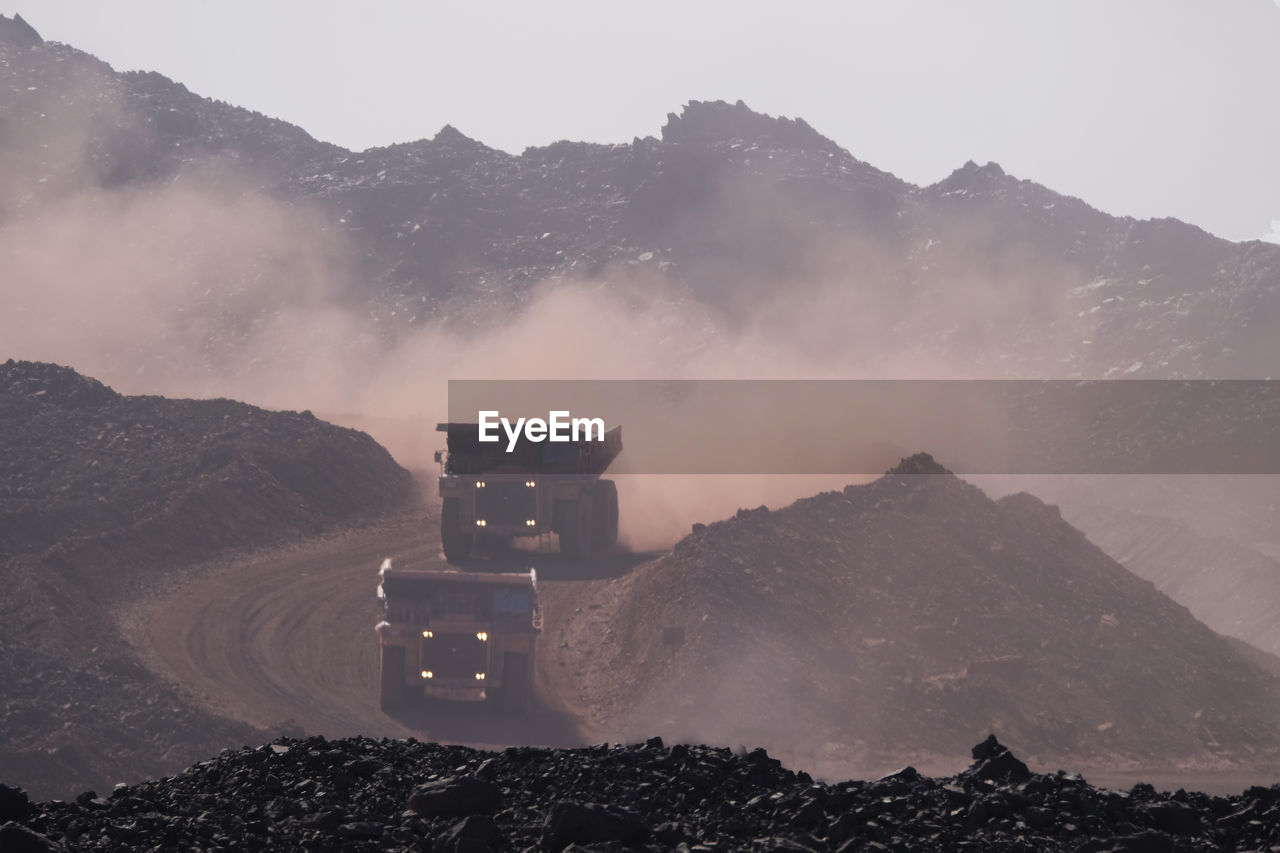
(904, 616)
(103, 496)
(362, 794)
(90, 478)
(1231, 588)
(727, 209)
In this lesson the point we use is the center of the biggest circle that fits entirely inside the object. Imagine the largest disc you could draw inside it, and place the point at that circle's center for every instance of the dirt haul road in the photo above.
(287, 635)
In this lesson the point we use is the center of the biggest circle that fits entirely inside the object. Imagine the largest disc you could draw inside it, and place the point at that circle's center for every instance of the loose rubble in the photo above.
(362, 794)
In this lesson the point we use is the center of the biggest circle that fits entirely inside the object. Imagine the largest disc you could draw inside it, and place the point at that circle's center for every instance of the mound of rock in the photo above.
(907, 617)
(103, 496)
(92, 478)
(361, 794)
(1232, 588)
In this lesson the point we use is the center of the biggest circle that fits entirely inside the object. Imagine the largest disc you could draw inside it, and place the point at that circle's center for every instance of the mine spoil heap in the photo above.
(90, 475)
(362, 794)
(103, 496)
(1233, 588)
(899, 617)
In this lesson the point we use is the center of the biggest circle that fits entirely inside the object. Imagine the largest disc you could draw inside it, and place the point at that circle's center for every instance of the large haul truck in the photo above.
(458, 636)
(491, 495)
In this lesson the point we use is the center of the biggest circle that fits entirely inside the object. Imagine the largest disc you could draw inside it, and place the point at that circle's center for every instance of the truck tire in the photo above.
(604, 517)
(515, 683)
(574, 529)
(392, 677)
(456, 542)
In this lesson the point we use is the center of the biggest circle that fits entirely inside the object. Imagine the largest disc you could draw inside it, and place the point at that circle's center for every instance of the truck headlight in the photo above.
(479, 676)
(428, 634)
(426, 673)
(530, 483)
(479, 484)
(530, 523)
(482, 636)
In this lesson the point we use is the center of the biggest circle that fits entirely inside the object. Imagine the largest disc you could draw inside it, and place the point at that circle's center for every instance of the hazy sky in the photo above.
(1140, 107)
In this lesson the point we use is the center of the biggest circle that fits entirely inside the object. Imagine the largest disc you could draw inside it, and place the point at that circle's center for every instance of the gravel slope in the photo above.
(907, 617)
(104, 497)
(1232, 588)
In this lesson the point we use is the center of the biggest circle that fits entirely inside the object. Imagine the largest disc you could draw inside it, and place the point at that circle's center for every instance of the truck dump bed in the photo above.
(468, 455)
(507, 602)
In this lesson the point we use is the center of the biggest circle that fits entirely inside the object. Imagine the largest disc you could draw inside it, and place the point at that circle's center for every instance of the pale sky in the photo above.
(1140, 107)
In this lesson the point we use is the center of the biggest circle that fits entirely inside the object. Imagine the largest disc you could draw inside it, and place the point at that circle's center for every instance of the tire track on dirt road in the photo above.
(287, 635)
(282, 634)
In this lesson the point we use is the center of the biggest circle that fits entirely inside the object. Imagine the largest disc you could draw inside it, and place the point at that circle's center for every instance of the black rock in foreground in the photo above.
(362, 794)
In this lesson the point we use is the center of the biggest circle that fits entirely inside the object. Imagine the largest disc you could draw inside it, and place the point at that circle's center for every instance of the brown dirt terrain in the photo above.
(898, 620)
(287, 634)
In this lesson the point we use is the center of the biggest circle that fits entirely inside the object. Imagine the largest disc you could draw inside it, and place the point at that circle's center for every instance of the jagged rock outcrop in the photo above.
(17, 31)
(711, 122)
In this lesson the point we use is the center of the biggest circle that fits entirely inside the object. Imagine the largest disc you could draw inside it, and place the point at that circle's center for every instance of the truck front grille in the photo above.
(454, 655)
(506, 503)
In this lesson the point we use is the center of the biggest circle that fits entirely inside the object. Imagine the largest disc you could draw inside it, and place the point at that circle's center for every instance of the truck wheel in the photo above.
(574, 529)
(392, 666)
(604, 517)
(456, 542)
(515, 683)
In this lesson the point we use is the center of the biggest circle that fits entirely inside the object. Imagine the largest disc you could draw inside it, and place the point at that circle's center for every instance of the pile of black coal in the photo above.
(362, 794)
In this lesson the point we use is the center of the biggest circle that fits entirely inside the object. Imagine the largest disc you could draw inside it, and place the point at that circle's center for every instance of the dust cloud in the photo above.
(206, 285)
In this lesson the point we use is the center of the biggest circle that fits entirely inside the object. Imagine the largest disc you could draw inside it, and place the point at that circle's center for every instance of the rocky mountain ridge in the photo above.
(727, 207)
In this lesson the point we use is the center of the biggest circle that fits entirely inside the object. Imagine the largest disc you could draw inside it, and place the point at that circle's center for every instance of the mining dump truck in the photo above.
(457, 636)
(490, 496)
